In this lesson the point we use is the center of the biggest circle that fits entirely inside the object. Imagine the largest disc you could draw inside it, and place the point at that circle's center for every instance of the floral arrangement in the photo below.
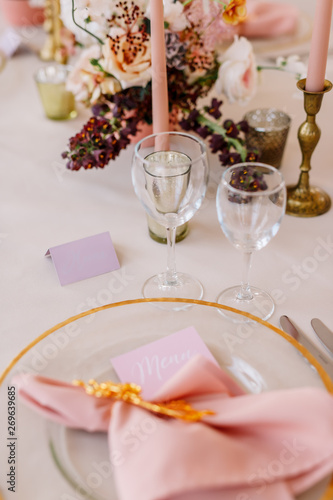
(113, 74)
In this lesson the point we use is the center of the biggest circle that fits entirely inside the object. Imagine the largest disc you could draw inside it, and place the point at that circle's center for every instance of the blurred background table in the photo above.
(42, 205)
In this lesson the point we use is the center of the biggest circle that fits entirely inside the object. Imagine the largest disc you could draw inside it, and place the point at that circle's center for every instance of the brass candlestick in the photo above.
(52, 50)
(304, 200)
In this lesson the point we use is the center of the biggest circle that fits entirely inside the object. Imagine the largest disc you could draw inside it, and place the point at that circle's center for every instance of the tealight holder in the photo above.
(304, 200)
(58, 102)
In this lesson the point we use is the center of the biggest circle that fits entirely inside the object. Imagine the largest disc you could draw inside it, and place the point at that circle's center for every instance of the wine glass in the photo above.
(169, 174)
(250, 202)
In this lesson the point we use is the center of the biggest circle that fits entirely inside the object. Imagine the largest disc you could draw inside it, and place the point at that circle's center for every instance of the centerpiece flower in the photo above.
(113, 74)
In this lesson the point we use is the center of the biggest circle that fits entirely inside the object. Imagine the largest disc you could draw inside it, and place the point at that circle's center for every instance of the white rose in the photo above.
(130, 67)
(237, 77)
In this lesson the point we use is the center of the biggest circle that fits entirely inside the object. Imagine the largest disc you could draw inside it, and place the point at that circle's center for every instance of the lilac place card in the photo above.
(84, 258)
(151, 365)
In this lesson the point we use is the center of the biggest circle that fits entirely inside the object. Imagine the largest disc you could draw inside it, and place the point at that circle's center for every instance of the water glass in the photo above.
(250, 202)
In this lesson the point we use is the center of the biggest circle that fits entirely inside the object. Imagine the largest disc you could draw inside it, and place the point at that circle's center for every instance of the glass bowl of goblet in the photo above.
(170, 174)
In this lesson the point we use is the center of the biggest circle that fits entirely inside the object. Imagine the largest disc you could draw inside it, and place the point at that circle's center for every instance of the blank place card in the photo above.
(84, 258)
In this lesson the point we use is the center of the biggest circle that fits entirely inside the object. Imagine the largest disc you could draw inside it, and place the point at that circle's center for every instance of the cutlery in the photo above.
(323, 333)
(288, 326)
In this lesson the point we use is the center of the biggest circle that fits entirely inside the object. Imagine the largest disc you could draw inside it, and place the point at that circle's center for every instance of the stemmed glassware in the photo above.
(170, 174)
(250, 202)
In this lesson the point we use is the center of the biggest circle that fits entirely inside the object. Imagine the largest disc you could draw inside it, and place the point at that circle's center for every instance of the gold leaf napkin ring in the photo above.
(130, 393)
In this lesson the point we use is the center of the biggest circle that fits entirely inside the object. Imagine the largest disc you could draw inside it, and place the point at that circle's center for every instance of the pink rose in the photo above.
(237, 77)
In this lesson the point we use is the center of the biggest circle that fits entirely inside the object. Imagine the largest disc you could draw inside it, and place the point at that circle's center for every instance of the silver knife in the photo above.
(288, 326)
(323, 333)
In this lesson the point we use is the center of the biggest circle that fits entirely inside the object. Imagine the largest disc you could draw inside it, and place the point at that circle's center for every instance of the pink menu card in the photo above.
(151, 365)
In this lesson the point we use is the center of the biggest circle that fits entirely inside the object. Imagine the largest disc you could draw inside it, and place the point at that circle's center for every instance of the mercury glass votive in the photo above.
(58, 102)
(268, 132)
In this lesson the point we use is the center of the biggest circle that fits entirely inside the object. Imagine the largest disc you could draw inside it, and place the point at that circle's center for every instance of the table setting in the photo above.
(148, 150)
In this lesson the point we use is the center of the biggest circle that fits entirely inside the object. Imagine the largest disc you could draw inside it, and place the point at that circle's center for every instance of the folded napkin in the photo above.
(272, 445)
(269, 20)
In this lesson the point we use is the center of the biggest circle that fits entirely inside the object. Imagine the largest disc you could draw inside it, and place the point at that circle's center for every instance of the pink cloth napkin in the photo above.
(272, 445)
(269, 20)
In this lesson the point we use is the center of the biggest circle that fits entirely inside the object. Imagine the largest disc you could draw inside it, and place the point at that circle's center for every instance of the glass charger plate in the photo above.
(54, 462)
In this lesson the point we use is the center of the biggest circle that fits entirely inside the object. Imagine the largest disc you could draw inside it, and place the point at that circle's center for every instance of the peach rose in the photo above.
(129, 63)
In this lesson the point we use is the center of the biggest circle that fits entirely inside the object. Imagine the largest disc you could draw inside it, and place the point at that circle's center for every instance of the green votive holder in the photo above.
(58, 102)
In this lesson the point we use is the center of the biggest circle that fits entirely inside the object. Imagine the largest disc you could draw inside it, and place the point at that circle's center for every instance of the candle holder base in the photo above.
(304, 200)
(307, 203)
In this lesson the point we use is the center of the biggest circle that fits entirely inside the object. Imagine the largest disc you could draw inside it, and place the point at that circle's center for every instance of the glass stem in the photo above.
(245, 291)
(171, 275)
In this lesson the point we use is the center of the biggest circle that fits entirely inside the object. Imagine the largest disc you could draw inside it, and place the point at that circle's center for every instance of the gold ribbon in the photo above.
(130, 393)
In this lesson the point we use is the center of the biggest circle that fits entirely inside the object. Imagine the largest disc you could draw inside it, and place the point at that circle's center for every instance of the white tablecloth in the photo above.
(42, 205)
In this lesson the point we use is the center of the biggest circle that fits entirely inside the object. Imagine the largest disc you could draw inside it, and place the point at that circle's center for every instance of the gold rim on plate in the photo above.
(322, 373)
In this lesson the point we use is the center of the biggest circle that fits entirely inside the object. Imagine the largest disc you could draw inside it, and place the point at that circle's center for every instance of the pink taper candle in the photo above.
(319, 46)
(159, 69)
